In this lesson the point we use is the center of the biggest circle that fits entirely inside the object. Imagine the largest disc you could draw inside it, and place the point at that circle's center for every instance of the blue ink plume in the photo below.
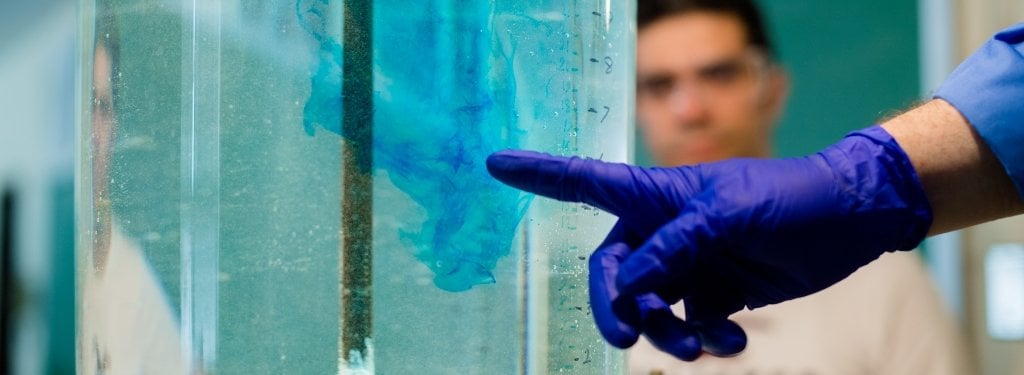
(444, 100)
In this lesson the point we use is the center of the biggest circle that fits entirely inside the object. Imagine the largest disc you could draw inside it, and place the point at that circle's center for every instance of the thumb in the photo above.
(672, 335)
(719, 336)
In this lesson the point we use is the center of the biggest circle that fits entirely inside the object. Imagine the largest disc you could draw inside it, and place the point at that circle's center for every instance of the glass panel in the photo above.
(299, 186)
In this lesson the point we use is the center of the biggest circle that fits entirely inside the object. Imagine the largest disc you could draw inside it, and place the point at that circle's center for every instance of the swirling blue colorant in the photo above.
(324, 105)
(444, 100)
(323, 108)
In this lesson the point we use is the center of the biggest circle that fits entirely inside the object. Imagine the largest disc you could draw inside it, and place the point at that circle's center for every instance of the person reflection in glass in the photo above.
(126, 323)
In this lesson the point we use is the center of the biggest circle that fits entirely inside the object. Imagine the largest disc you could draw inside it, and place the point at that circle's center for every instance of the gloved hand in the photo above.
(724, 235)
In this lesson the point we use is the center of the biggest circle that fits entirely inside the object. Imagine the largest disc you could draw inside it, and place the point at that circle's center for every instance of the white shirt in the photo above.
(886, 318)
(126, 325)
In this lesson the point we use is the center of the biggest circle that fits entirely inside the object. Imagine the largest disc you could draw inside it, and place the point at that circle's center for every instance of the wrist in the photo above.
(879, 174)
(963, 181)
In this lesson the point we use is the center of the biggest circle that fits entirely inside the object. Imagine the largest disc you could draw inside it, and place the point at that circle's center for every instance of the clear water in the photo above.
(225, 163)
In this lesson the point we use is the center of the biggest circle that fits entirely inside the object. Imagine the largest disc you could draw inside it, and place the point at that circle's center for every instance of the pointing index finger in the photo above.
(614, 187)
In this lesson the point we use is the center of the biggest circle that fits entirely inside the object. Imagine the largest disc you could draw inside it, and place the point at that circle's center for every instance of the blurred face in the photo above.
(703, 93)
(102, 114)
(103, 128)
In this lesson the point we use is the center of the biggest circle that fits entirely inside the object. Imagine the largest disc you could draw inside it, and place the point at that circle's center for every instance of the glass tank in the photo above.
(300, 186)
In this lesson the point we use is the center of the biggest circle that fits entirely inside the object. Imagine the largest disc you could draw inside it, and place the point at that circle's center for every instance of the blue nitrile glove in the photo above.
(683, 339)
(724, 235)
(988, 89)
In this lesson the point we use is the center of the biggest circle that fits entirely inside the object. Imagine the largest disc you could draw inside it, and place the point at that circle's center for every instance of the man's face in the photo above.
(102, 114)
(703, 94)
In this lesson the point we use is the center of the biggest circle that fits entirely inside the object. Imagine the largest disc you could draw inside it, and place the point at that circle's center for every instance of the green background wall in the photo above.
(850, 63)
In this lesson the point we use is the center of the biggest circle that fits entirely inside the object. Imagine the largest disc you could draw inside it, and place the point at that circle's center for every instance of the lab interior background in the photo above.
(851, 64)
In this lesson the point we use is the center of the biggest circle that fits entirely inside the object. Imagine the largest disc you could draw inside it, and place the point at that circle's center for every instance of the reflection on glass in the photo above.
(122, 303)
(299, 186)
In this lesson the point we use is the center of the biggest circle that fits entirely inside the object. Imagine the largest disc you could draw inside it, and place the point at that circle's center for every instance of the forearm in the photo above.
(964, 182)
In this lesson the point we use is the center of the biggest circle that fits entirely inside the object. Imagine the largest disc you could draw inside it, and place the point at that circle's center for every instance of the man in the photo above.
(754, 232)
(707, 89)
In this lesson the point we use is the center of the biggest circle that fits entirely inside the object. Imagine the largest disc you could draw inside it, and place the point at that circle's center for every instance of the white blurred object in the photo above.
(1004, 292)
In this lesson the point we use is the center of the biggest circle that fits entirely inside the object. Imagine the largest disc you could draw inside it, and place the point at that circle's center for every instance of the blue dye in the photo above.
(323, 108)
(444, 100)
(324, 105)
